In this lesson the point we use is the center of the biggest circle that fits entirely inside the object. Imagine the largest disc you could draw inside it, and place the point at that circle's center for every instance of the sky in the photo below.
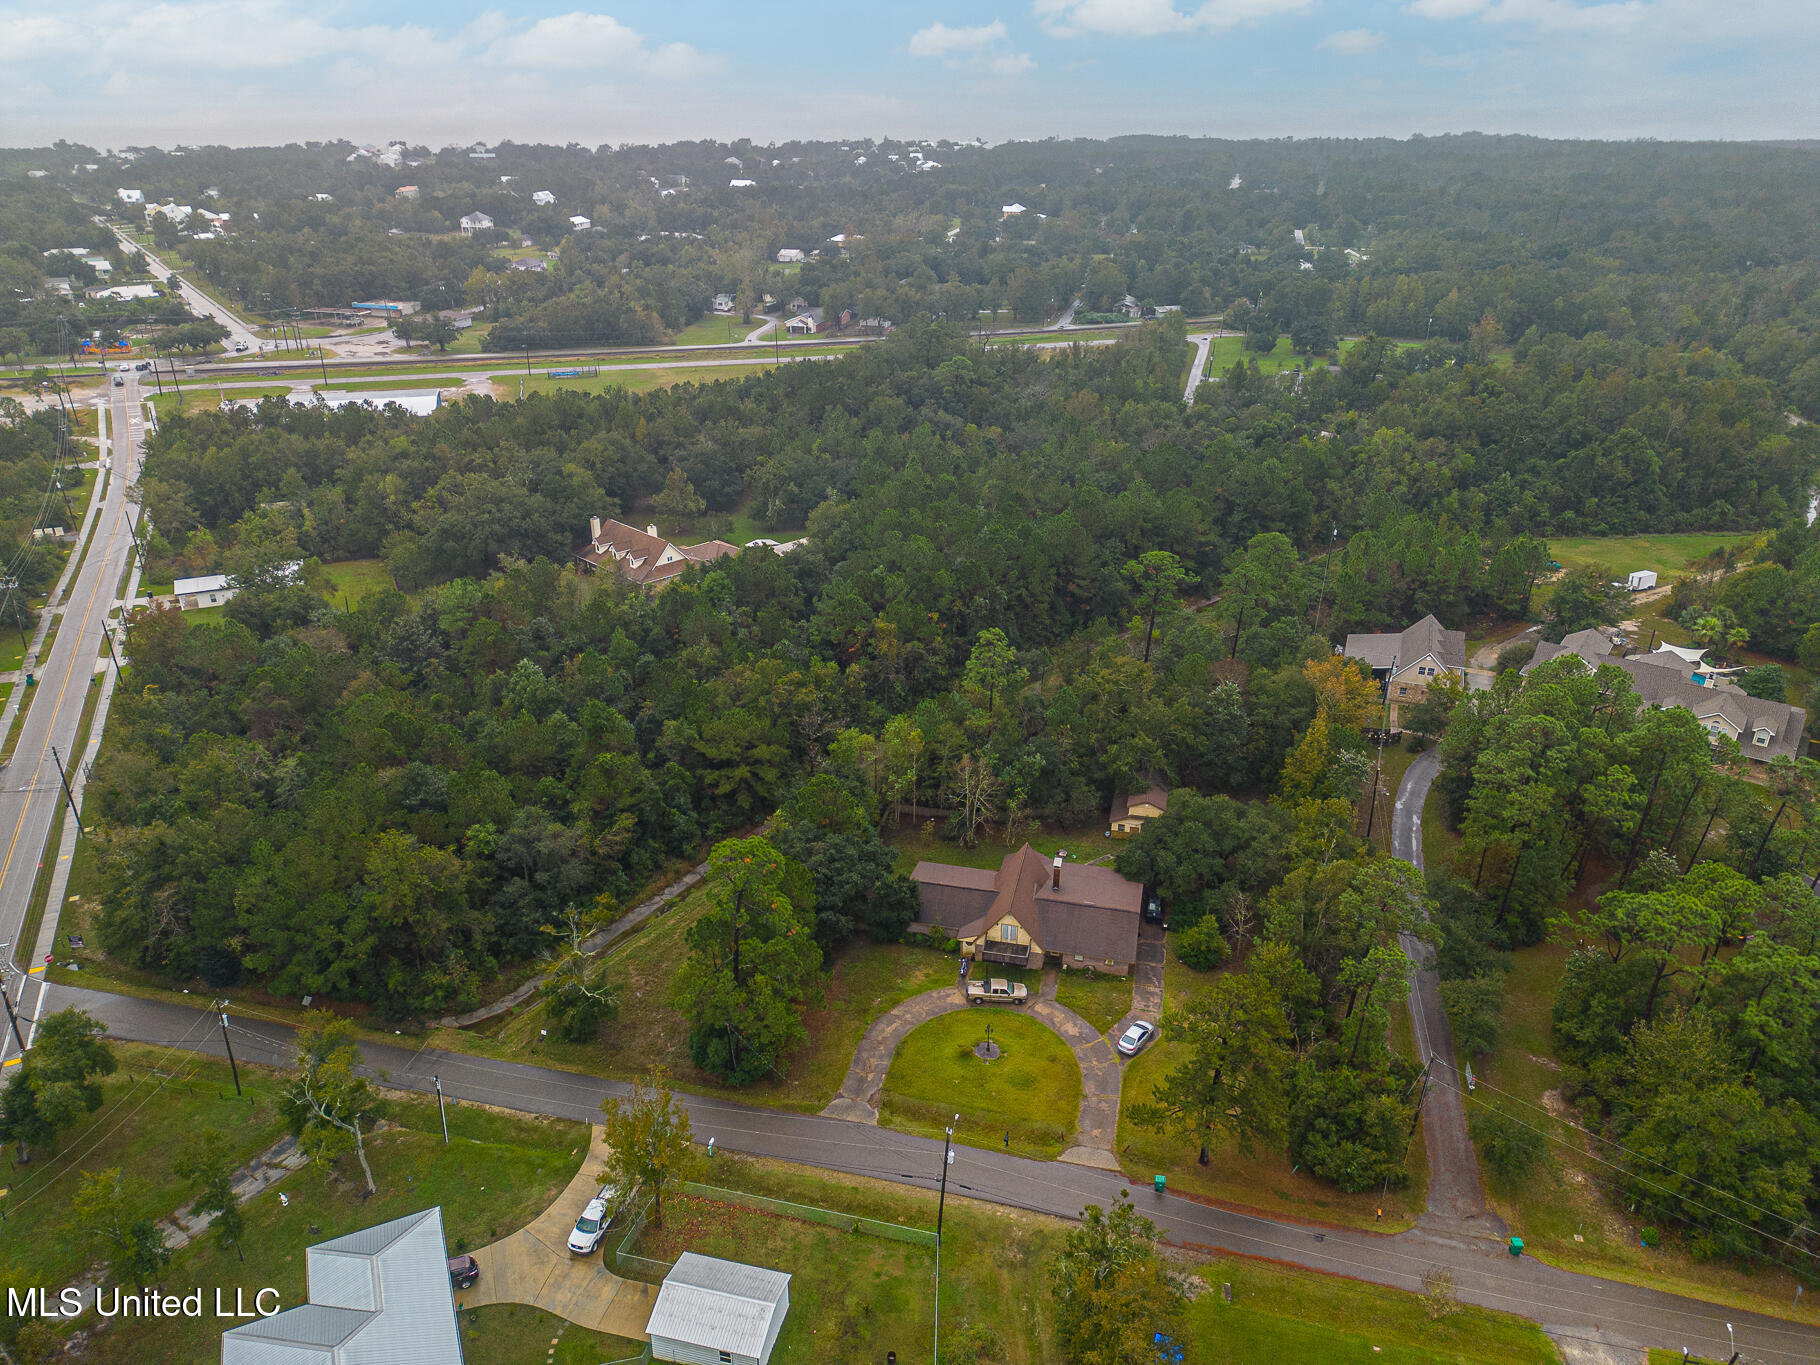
(116, 73)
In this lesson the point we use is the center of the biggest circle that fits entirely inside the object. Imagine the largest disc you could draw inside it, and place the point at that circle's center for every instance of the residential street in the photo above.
(30, 786)
(239, 334)
(1483, 1272)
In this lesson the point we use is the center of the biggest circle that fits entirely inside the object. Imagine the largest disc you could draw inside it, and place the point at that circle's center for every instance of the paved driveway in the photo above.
(534, 1266)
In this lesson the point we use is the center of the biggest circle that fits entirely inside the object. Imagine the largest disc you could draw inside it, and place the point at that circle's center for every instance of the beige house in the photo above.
(1033, 912)
(1411, 661)
(644, 557)
(1130, 810)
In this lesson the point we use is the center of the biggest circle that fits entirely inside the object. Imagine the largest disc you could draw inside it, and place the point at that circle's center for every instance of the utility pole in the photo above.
(66, 791)
(1377, 766)
(941, 1203)
(6, 972)
(108, 635)
(444, 1113)
(227, 1042)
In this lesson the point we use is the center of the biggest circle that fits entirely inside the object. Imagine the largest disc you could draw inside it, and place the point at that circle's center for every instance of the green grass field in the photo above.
(639, 380)
(1278, 1314)
(1101, 1000)
(1031, 1092)
(1671, 556)
(518, 1334)
(913, 845)
(1228, 351)
(717, 329)
(350, 580)
(498, 1173)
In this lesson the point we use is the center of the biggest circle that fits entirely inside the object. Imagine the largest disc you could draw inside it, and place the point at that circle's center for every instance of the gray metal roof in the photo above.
(723, 1305)
(380, 1296)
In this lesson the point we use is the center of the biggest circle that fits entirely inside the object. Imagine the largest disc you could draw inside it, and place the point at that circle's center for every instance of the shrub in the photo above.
(1516, 656)
(1511, 1149)
(1203, 947)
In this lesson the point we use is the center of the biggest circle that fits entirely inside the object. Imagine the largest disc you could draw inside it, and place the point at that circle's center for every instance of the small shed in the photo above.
(210, 590)
(715, 1312)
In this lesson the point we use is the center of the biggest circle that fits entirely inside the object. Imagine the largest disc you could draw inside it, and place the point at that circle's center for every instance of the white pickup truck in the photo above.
(997, 991)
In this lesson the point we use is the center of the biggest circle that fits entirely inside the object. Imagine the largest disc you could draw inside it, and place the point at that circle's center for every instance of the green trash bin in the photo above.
(1161, 1183)
(1516, 1246)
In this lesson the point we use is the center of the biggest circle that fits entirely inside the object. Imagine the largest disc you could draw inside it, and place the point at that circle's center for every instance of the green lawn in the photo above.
(1671, 556)
(498, 1173)
(1279, 1314)
(852, 1296)
(167, 1097)
(1226, 351)
(1101, 1000)
(639, 381)
(351, 580)
(518, 1334)
(415, 381)
(717, 328)
(1031, 1092)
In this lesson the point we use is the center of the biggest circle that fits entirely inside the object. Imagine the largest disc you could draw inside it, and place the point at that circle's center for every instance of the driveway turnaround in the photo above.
(534, 1266)
(861, 1091)
(1483, 1274)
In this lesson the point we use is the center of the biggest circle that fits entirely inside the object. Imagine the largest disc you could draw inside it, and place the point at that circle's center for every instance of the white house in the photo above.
(474, 222)
(1012, 210)
(211, 590)
(741, 184)
(790, 255)
(724, 303)
(580, 223)
(408, 191)
(131, 196)
(543, 197)
(322, 198)
(126, 291)
(715, 1312)
(380, 1296)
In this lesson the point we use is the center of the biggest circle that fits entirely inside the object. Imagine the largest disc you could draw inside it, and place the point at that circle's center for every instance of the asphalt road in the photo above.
(30, 788)
(197, 302)
(1483, 1272)
(1203, 342)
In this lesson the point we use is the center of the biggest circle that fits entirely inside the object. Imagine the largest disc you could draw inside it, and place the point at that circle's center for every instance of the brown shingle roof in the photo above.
(1093, 915)
(1153, 795)
(637, 554)
(1426, 637)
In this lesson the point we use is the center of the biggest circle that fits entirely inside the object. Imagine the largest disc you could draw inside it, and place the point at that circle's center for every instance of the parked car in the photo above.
(143, 365)
(997, 991)
(463, 1271)
(1133, 1039)
(596, 1220)
(239, 347)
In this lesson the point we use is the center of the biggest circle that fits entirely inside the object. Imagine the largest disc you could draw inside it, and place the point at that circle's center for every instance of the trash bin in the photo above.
(1516, 1246)
(1161, 1183)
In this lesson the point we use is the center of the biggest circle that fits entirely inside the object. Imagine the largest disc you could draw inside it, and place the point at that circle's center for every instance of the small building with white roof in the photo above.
(380, 1296)
(715, 1312)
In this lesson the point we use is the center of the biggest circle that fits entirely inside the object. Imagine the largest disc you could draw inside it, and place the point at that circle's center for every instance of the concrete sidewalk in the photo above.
(534, 1265)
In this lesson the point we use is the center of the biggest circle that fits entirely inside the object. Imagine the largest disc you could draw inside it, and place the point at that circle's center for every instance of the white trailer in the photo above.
(1641, 579)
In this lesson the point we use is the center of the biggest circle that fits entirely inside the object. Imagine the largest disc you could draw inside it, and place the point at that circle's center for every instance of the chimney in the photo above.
(594, 530)
(651, 529)
(1055, 874)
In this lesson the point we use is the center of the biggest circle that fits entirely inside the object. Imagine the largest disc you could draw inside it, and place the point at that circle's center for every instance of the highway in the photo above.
(30, 786)
(1571, 1306)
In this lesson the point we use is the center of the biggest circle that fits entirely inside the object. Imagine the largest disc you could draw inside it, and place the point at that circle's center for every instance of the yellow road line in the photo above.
(115, 443)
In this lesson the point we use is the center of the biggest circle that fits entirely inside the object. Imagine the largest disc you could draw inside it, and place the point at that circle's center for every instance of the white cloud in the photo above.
(1353, 42)
(1011, 64)
(1154, 18)
(938, 40)
(581, 40)
(1552, 16)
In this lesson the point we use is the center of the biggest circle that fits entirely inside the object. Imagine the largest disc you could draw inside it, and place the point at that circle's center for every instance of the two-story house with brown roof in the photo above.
(644, 557)
(1033, 912)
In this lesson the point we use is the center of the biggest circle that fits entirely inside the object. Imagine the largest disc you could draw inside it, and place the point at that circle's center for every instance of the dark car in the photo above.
(463, 1271)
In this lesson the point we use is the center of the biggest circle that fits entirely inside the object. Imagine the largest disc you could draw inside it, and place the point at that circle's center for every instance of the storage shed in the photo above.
(715, 1312)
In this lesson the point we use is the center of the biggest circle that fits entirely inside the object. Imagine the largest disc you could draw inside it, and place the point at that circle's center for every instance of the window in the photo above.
(1402, 691)
(1761, 737)
(726, 1357)
(1008, 933)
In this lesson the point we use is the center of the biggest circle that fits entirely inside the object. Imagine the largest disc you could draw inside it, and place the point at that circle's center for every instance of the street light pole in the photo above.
(6, 972)
(444, 1114)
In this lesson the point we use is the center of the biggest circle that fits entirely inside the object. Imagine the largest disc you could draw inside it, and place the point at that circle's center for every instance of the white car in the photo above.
(593, 1224)
(1132, 1040)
